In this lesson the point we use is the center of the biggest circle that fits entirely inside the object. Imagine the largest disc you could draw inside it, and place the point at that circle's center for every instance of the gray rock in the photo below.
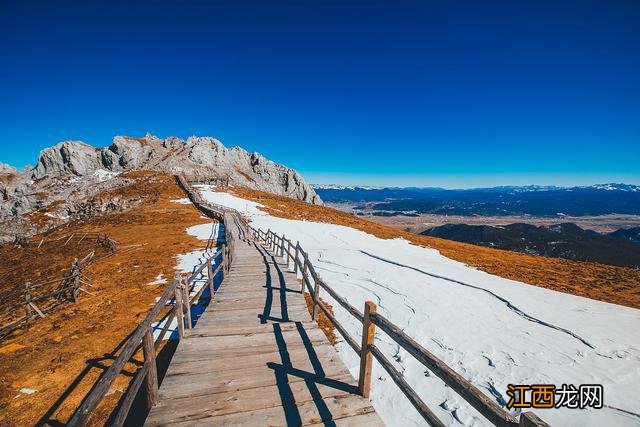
(6, 169)
(73, 172)
(203, 156)
(67, 157)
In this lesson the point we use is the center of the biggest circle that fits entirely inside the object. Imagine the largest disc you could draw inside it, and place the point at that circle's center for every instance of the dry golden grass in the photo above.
(74, 343)
(618, 285)
(323, 321)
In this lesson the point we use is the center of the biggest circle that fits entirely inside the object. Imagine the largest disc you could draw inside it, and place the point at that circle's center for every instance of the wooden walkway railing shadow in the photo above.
(367, 350)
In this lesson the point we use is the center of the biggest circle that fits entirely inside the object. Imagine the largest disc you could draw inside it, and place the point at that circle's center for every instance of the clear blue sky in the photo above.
(450, 93)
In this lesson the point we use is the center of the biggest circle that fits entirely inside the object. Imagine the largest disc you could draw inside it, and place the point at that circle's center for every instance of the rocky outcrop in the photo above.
(6, 169)
(70, 177)
(201, 156)
(68, 157)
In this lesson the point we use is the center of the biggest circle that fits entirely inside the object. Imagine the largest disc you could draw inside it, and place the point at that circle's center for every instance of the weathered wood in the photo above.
(295, 258)
(37, 310)
(243, 400)
(529, 419)
(27, 300)
(316, 299)
(186, 304)
(210, 277)
(149, 353)
(223, 366)
(333, 409)
(88, 405)
(125, 404)
(179, 309)
(366, 358)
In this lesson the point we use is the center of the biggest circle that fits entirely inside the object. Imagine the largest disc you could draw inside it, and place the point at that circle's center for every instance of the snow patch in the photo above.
(160, 280)
(56, 216)
(493, 331)
(184, 201)
(104, 175)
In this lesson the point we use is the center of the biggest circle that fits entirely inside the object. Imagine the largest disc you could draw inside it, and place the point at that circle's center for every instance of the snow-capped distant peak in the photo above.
(343, 187)
(615, 187)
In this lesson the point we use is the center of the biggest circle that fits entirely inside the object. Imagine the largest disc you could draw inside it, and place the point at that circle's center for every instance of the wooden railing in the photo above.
(367, 349)
(142, 336)
(208, 179)
(38, 299)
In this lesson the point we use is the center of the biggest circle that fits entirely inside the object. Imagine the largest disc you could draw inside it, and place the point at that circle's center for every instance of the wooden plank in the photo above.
(228, 342)
(333, 408)
(221, 382)
(240, 304)
(187, 408)
(242, 328)
(297, 355)
(369, 419)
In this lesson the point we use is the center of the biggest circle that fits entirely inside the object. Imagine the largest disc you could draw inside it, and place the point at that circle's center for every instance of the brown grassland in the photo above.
(63, 355)
(71, 347)
(618, 285)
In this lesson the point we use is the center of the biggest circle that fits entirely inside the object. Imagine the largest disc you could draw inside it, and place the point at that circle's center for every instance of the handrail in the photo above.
(142, 336)
(469, 392)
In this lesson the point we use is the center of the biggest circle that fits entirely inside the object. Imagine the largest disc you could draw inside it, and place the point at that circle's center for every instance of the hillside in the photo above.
(632, 234)
(558, 241)
(68, 350)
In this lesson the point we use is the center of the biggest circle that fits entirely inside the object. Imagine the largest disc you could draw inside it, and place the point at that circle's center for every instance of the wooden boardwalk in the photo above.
(256, 358)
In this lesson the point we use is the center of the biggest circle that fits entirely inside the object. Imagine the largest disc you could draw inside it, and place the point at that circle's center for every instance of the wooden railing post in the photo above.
(295, 258)
(316, 298)
(366, 358)
(288, 253)
(178, 306)
(75, 269)
(225, 257)
(305, 270)
(186, 304)
(149, 353)
(210, 277)
(27, 300)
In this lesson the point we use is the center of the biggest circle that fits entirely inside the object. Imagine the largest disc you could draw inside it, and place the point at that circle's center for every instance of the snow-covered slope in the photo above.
(491, 330)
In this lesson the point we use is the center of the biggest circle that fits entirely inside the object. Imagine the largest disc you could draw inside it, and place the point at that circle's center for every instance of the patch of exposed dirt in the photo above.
(62, 355)
(617, 285)
(323, 321)
(248, 178)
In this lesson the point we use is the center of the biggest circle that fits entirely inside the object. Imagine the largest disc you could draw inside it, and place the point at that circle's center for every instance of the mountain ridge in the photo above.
(72, 172)
(566, 240)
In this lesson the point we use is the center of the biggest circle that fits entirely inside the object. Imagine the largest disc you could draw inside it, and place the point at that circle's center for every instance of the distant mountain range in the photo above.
(567, 241)
(535, 200)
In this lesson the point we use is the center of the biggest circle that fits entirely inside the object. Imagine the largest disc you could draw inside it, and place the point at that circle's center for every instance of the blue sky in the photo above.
(406, 93)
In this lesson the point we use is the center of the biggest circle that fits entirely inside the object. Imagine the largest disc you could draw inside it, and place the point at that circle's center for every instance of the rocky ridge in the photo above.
(71, 172)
